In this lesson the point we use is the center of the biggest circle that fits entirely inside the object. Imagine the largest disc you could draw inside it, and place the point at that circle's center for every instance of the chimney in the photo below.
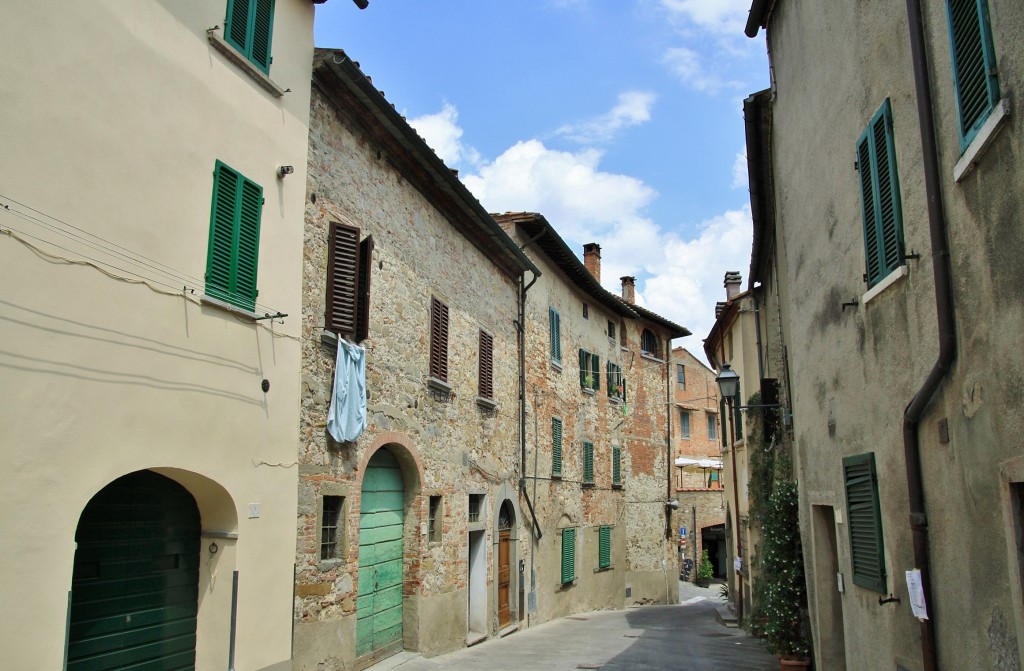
(733, 280)
(719, 306)
(592, 259)
(628, 289)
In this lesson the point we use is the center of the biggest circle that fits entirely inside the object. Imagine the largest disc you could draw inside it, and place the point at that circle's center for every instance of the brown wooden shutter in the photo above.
(363, 289)
(342, 279)
(486, 365)
(438, 340)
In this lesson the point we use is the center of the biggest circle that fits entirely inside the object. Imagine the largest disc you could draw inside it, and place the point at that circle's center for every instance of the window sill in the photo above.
(616, 485)
(224, 305)
(565, 585)
(588, 390)
(556, 365)
(243, 64)
(587, 485)
(439, 385)
(603, 569)
(556, 476)
(980, 143)
(486, 403)
(651, 357)
(329, 565)
(886, 282)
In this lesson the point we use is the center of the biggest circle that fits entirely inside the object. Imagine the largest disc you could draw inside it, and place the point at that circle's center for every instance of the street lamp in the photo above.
(728, 383)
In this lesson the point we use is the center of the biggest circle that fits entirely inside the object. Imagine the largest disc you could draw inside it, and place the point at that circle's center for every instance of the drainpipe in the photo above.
(521, 328)
(668, 439)
(946, 329)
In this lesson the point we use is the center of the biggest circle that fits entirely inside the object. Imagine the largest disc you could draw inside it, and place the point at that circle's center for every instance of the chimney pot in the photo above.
(628, 289)
(592, 259)
(733, 281)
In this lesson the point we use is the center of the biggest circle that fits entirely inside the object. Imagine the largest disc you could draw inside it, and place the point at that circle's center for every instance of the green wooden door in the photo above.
(135, 586)
(381, 516)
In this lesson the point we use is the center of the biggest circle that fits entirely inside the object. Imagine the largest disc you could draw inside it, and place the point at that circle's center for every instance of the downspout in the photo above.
(668, 439)
(946, 329)
(521, 328)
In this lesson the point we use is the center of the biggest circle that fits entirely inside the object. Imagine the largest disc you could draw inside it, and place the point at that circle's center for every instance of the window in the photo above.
(586, 311)
(568, 556)
(486, 377)
(555, 335)
(611, 329)
(681, 375)
(974, 65)
(616, 466)
(714, 480)
(234, 238)
(648, 343)
(330, 527)
(604, 547)
(438, 340)
(880, 197)
(623, 342)
(475, 504)
(590, 370)
(248, 27)
(556, 447)
(588, 463)
(616, 383)
(865, 521)
(347, 306)
(684, 423)
(434, 520)
(712, 427)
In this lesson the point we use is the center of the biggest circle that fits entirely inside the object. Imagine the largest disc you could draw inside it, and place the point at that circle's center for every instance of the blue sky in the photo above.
(621, 122)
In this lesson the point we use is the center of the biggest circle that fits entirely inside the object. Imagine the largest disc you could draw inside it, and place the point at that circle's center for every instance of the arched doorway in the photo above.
(135, 585)
(506, 519)
(381, 525)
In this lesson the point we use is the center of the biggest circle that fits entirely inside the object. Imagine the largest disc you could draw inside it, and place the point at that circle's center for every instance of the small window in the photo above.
(681, 375)
(684, 423)
(617, 466)
(234, 238)
(568, 555)
(438, 340)
(486, 373)
(434, 521)
(616, 383)
(586, 311)
(248, 27)
(974, 65)
(604, 547)
(590, 370)
(611, 329)
(476, 502)
(556, 447)
(865, 522)
(347, 304)
(714, 480)
(880, 197)
(331, 527)
(588, 463)
(712, 428)
(555, 335)
(649, 343)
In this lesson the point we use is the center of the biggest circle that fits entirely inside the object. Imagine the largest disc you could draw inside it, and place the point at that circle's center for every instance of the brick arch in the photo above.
(406, 453)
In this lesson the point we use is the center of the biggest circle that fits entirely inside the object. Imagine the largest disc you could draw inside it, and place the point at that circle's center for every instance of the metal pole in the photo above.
(234, 617)
(736, 509)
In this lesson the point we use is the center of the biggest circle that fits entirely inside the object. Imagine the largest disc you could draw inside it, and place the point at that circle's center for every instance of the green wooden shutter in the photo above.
(248, 27)
(232, 254)
(616, 465)
(879, 183)
(604, 552)
(725, 416)
(236, 25)
(568, 555)
(865, 522)
(262, 30)
(555, 334)
(595, 367)
(588, 463)
(737, 417)
(250, 207)
(583, 368)
(556, 447)
(974, 65)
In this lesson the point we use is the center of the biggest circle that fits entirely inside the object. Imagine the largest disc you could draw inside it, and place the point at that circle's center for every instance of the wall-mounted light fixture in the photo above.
(283, 170)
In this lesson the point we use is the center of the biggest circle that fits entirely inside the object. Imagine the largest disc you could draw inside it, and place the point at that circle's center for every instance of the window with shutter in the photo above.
(681, 375)
(588, 463)
(233, 249)
(616, 388)
(865, 522)
(712, 427)
(556, 447)
(974, 65)
(555, 335)
(248, 27)
(590, 370)
(347, 303)
(684, 423)
(568, 555)
(880, 197)
(486, 377)
(604, 547)
(616, 466)
(438, 340)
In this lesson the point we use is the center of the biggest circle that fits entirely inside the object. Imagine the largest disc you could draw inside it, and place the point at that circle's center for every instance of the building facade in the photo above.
(150, 250)
(891, 166)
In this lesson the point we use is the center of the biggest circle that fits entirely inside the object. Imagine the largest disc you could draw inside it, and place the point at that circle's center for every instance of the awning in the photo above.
(683, 462)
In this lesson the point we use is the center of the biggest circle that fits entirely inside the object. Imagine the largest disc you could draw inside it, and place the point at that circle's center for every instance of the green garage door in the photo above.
(379, 603)
(134, 591)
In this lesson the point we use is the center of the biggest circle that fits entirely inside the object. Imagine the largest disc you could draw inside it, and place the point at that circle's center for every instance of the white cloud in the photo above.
(633, 108)
(443, 134)
(739, 171)
(689, 67)
(718, 16)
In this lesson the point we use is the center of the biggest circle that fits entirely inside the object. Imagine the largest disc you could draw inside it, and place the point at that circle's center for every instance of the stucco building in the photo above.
(890, 168)
(150, 252)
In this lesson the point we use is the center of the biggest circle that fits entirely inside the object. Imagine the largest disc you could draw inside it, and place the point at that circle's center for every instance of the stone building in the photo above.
(890, 170)
(696, 436)
(597, 433)
(150, 250)
(412, 534)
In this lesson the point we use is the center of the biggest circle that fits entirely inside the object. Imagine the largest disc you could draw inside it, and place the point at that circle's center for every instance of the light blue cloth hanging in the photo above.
(346, 418)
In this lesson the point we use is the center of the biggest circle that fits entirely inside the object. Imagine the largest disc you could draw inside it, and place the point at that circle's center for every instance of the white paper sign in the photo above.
(737, 564)
(916, 591)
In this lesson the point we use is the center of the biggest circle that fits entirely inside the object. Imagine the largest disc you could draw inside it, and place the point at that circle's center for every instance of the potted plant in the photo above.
(784, 591)
(705, 571)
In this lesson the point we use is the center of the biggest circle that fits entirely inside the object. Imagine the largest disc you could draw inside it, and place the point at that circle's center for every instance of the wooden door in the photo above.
(504, 578)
